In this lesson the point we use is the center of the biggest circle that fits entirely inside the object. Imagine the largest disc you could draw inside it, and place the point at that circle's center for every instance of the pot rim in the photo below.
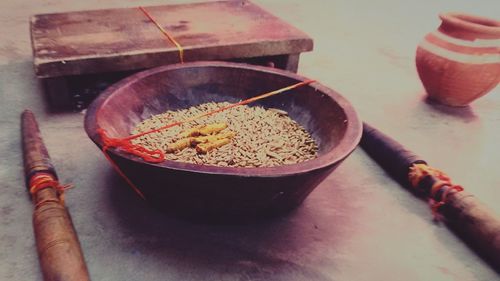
(473, 23)
(342, 150)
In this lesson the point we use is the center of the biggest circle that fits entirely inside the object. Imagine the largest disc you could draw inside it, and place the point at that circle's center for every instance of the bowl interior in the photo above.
(326, 115)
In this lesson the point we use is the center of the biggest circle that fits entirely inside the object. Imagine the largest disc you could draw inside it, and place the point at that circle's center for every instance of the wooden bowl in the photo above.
(201, 191)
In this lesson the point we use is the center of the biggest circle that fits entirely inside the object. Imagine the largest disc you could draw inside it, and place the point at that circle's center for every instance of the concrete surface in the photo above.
(358, 225)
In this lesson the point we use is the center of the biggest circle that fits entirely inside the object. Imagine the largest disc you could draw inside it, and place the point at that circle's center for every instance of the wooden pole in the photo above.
(58, 247)
(471, 220)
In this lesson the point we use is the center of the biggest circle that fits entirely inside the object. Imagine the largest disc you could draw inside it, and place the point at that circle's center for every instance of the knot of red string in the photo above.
(419, 171)
(125, 144)
(443, 181)
(44, 180)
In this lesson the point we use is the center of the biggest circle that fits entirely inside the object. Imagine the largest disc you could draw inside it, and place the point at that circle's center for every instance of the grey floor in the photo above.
(357, 225)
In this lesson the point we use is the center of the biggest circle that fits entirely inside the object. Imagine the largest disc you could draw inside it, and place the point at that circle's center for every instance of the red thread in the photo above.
(125, 144)
(119, 171)
(420, 171)
(435, 205)
(157, 156)
(44, 180)
(169, 37)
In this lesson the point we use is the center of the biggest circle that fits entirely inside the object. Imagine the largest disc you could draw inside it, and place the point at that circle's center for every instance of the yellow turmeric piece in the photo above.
(204, 148)
(178, 145)
(204, 130)
(212, 128)
(207, 143)
(192, 132)
(186, 142)
(212, 138)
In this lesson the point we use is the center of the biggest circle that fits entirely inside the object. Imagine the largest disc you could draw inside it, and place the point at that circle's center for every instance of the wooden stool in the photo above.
(81, 53)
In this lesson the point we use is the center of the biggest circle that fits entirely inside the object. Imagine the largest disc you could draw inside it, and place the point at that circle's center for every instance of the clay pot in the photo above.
(460, 61)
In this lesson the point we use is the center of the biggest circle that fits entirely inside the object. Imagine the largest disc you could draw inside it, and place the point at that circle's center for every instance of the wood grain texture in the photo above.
(58, 247)
(123, 39)
(476, 224)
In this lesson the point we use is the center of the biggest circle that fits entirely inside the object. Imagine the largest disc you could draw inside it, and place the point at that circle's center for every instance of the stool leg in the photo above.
(292, 62)
(57, 89)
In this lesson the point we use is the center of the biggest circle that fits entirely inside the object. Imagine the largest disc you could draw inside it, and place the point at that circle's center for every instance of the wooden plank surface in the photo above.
(124, 39)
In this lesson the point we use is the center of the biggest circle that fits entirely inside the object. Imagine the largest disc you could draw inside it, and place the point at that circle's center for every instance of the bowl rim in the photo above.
(346, 146)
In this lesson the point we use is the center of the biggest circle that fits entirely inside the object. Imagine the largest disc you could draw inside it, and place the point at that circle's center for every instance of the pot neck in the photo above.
(469, 27)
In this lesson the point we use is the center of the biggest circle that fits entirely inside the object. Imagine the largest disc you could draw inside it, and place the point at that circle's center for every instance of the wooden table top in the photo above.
(125, 39)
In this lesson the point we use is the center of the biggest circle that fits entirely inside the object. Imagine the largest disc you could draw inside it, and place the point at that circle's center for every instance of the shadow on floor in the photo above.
(275, 247)
(464, 113)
